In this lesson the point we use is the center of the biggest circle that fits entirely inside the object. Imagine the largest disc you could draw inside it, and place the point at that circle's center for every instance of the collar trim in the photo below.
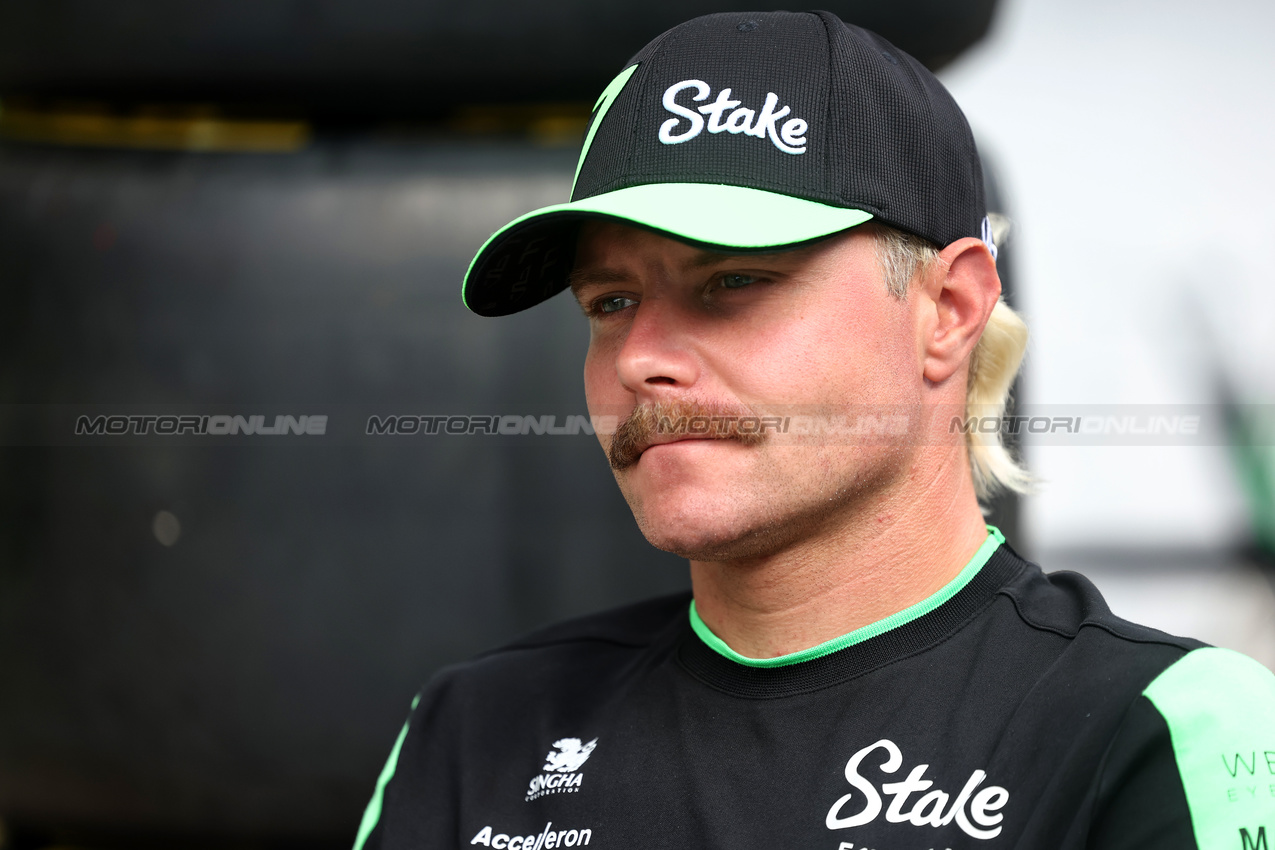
(894, 621)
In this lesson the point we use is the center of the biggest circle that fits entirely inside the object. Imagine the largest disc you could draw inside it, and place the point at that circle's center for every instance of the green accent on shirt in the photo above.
(1219, 706)
(372, 814)
(608, 96)
(907, 615)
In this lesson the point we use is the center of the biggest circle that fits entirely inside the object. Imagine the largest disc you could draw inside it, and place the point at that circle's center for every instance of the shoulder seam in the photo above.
(1168, 640)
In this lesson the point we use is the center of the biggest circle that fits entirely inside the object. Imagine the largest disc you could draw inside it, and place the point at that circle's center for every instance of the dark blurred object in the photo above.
(217, 643)
(1251, 428)
(1251, 437)
(222, 641)
(338, 60)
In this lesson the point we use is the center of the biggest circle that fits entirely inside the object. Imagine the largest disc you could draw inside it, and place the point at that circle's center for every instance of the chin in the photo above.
(708, 535)
(726, 519)
(715, 545)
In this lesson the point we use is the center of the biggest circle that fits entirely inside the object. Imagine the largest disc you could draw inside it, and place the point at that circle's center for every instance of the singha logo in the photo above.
(572, 756)
(562, 768)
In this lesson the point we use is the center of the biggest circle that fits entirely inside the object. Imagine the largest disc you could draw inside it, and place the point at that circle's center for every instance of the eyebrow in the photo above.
(707, 258)
(764, 256)
(580, 278)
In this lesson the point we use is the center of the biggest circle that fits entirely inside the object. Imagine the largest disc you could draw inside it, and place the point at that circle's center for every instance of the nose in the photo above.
(657, 357)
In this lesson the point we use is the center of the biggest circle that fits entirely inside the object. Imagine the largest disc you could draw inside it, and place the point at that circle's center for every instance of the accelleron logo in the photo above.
(562, 768)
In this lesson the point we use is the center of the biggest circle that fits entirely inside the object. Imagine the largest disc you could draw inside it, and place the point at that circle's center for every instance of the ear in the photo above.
(957, 297)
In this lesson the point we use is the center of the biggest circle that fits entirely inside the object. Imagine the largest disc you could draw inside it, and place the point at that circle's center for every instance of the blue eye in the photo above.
(736, 281)
(613, 304)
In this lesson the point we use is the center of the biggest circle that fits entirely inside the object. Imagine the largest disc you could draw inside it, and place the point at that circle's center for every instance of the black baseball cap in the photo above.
(752, 131)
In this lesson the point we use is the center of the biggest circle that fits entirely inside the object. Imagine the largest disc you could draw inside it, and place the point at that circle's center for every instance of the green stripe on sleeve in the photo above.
(1219, 706)
(372, 814)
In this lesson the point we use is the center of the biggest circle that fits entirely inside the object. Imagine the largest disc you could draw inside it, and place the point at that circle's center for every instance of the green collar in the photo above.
(907, 615)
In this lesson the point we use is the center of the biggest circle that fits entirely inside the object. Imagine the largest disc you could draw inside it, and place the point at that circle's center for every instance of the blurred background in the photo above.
(265, 208)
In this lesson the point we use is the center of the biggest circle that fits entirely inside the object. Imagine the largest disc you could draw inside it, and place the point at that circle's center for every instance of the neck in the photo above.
(879, 559)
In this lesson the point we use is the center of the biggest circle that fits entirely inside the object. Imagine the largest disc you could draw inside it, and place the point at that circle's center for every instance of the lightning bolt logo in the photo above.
(608, 96)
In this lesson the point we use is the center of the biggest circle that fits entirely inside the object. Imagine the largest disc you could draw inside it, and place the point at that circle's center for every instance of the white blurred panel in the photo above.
(1222, 602)
(1134, 143)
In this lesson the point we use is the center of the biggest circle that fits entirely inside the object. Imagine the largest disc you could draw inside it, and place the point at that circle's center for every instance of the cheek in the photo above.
(850, 355)
(601, 384)
(803, 357)
(599, 396)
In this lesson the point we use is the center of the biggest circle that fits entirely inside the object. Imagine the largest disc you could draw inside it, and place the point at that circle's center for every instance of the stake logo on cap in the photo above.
(740, 119)
(751, 132)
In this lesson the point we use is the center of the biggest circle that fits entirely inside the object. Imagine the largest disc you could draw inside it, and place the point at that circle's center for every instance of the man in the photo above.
(778, 238)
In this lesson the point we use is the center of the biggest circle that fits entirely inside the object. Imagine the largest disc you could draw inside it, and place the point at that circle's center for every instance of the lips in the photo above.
(687, 438)
(652, 425)
(641, 448)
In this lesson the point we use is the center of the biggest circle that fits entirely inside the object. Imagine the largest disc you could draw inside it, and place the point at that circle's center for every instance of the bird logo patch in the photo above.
(572, 754)
(562, 768)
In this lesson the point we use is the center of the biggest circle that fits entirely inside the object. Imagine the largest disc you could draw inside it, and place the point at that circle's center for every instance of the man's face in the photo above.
(813, 327)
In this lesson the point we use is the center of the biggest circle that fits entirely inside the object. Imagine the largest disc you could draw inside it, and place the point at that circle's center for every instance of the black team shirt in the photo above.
(1011, 709)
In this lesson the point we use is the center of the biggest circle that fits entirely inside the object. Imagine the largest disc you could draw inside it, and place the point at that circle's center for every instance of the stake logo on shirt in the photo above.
(562, 768)
(976, 812)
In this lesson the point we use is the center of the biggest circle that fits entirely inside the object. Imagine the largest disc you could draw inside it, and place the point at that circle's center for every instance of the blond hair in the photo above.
(993, 365)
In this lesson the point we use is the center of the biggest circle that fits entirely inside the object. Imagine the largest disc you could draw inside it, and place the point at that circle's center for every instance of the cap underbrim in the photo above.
(529, 259)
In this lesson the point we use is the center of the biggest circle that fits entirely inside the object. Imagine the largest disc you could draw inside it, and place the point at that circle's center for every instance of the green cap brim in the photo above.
(529, 259)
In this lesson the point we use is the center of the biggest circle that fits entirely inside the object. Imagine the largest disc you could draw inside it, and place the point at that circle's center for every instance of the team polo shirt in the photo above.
(1010, 709)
